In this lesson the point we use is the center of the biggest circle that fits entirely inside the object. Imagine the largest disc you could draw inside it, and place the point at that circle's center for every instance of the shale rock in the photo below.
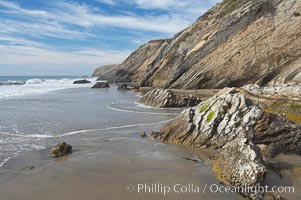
(101, 85)
(166, 98)
(290, 91)
(154, 135)
(235, 126)
(61, 149)
(123, 87)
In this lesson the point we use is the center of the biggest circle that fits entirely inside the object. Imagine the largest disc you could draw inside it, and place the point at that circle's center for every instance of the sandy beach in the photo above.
(103, 166)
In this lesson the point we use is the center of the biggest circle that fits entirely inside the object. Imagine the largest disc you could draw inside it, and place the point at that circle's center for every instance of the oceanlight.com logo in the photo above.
(191, 188)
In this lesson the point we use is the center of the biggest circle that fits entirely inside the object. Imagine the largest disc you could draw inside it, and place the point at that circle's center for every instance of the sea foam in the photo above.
(38, 86)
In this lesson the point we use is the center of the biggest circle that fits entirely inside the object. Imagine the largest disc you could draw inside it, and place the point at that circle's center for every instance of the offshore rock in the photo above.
(84, 81)
(166, 98)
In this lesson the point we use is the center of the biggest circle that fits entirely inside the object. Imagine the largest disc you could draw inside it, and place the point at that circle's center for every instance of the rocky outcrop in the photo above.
(99, 85)
(84, 81)
(240, 131)
(233, 44)
(154, 135)
(61, 149)
(166, 98)
(288, 91)
(123, 87)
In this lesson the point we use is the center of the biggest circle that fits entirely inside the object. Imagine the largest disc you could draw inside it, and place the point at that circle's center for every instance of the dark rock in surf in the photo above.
(84, 81)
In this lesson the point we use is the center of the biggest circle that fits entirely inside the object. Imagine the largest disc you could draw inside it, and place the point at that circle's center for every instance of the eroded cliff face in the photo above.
(235, 43)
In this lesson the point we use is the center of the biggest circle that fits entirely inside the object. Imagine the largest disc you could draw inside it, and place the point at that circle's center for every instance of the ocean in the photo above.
(45, 109)
(103, 126)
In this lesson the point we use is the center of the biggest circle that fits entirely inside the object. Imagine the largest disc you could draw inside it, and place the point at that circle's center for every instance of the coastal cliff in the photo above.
(235, 43)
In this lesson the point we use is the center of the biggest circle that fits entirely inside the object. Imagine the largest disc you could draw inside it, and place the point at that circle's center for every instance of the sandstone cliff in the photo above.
(235, 43)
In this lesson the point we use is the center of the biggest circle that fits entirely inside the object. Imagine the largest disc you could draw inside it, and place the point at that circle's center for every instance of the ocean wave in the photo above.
(139, 112)
(38, 86)
(112, 128)
(12, 83)
(34, 81)
(151, 107)
(9, 149)
(12, 144)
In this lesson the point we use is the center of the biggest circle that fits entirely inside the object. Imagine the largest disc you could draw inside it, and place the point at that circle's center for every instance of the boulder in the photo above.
(101, 85)
(162, 98)
(154, 135)
(61, 149)
(238, 129)
(142, 134)
(84, 81)
(123, 87)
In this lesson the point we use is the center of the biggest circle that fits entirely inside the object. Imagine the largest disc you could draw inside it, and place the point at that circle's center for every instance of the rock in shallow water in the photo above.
(235, 126)
(61, 149)
(142, 134)
(123, 87)
(81, 82)
(101, 85)
(166, 98)
(154, 135)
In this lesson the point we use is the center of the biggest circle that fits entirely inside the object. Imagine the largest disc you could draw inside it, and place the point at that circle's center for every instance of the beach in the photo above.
(108, 154)
(110, 160)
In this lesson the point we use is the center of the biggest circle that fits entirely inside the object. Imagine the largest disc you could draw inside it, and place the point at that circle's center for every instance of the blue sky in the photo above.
(62, 37)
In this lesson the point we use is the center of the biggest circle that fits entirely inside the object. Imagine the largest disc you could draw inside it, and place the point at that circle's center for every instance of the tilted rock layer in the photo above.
(233, 44)
(241, 132)
(166, 98)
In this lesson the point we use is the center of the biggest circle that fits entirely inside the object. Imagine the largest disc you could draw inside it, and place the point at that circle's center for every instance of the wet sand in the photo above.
(102, 166)
(106, 164)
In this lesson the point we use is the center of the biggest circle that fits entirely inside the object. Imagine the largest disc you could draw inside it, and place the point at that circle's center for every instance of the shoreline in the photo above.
(39, 161)
(93, 170)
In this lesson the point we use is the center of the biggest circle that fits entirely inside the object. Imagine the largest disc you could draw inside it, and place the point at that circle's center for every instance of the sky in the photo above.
(64, 37)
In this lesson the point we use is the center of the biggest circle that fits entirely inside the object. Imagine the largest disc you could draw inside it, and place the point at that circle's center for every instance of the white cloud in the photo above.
(78, 21)
(72, 61)
(66, 13)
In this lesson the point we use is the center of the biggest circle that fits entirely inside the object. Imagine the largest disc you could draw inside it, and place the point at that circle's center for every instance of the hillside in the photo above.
(237, 42)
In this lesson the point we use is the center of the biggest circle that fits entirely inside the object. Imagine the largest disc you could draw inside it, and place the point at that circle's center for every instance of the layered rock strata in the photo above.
(166, 98)
(240, 131)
